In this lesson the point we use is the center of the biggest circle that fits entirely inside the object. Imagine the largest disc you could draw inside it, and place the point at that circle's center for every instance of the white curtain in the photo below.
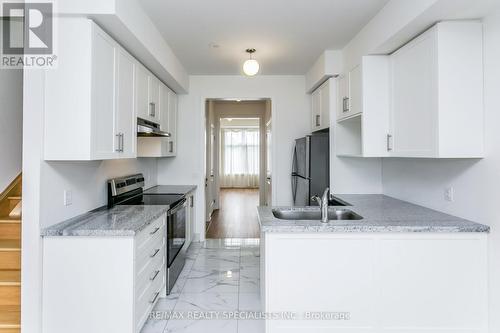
(240, 157)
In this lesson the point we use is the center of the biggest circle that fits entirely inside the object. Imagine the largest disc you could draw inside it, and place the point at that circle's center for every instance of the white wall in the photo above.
(11, 123)
(476, 182)
(290, 118)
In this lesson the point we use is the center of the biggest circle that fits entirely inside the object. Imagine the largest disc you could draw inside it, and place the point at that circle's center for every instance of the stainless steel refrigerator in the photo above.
(310, 168)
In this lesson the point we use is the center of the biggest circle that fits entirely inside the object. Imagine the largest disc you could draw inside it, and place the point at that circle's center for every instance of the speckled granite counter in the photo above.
(171, 189)
(117, 221)
(380, 214)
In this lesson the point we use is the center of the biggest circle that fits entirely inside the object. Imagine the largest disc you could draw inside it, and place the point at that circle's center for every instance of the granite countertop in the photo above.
(380, 214)
(171, 189)
(117, 221)
(120, 220)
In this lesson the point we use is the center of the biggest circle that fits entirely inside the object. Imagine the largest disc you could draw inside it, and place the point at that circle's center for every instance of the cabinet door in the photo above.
(413, 111)
(316, 109)
(343, 97)
(104, 140)
(141, 92)
(154, 98)
(355, 91)
(325, 105)
(164, 105)
(172, 124)
(125, 111)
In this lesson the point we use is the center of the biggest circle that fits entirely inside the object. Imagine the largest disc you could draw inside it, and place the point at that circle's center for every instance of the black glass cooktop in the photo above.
(153, 199)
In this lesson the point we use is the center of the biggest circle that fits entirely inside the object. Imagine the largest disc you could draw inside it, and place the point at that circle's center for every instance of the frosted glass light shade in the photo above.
(251, 67)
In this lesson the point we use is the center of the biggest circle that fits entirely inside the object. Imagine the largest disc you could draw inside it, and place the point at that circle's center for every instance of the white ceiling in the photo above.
(289, 35)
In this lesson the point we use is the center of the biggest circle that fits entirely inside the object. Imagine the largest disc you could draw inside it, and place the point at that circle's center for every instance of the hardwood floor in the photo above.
(237, 216)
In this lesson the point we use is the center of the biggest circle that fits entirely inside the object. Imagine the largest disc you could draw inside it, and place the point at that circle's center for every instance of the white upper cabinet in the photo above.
(89, 112)
(363, 109)
(147, 90)
(154, 98)
(167, 113)
(172, 124)
(163, 107)
(105, 140)
(141, 92)
(424, 100)
(437, 94)
(126, 122)
(95, 95)
(320, 106)
(350, 93)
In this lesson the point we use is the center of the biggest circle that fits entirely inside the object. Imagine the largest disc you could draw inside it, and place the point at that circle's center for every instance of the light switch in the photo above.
(448, 194)
(68, 198)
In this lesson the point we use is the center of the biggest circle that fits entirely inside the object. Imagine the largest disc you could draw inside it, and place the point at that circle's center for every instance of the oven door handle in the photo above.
(182, 204)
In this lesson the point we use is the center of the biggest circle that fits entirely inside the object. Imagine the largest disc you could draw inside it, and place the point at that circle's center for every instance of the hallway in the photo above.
(237, 216)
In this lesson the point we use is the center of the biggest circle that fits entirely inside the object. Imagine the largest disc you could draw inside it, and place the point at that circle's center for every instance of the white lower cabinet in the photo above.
(103, 284)
(376, 282)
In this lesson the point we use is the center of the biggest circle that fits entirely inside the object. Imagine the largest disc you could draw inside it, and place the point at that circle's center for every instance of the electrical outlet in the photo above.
(449, 194)
(68, 197)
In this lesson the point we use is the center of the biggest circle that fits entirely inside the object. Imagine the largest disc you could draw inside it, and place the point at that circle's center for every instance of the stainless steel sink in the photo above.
(315, 214)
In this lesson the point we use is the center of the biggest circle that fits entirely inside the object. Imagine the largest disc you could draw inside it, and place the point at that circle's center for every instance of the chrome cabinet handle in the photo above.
(155, 296)
(122, 142)
(152, 109)
(318, 123)
(171, 147)
(345, 104)
(154, 275)
(155, 252)
(154, 231)
(119, 140)
(388, 142)
(192, 202)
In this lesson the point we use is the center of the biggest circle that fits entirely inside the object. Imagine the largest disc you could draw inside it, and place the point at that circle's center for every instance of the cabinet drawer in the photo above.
(150, 249)
(153, 229)
(146, 299)
(151, 271)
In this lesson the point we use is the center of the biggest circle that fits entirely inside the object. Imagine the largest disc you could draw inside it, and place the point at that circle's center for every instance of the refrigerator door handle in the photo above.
(294, 161)
(294, 188)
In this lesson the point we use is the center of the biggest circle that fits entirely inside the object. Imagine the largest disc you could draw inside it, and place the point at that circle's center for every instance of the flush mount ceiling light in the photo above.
(251, 66)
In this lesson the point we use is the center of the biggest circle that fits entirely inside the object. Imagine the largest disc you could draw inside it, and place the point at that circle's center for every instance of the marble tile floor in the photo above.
(220, 275)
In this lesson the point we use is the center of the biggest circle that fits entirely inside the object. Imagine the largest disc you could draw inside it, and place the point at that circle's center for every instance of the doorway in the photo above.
(238, 177)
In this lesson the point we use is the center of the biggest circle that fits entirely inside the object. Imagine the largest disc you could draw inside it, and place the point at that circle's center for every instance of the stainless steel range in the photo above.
(130, 191)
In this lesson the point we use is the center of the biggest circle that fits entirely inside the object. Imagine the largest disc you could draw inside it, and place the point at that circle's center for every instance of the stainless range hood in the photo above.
(149, 129)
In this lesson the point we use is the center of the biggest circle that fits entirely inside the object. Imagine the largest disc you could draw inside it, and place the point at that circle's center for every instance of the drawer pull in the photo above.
(155, 296)
(154, 275)
(154, 231)
(155, 252)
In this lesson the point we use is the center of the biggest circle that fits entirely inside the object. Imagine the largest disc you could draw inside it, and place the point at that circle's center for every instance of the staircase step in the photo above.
(13, 202)
(10, 295)
(10, 277)
(10, 254)
(10, 318)
(10, 245)
(10, 228)
(16, 211)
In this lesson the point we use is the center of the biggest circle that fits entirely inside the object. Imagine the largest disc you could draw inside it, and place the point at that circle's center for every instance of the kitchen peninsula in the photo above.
(401, 268)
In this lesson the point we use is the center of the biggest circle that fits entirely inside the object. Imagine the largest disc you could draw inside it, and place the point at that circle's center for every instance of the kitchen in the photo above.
(438, 168)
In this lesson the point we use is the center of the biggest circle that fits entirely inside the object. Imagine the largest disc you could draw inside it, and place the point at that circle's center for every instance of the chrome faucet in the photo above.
(323, 205)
